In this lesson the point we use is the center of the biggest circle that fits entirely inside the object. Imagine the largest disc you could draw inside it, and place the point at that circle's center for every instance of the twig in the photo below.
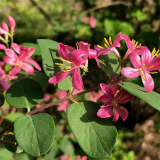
(9, 142)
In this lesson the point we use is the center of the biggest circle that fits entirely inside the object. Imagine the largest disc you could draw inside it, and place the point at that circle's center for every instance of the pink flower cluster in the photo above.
(91, 20)
(19, 57)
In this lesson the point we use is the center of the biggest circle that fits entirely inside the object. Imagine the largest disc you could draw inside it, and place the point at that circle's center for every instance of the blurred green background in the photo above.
(64, 21)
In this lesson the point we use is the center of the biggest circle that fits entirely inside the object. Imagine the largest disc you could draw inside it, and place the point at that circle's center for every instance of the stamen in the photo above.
(157, 53)
(143, 64)
(77, 44)
(151, 66)
(136, 44)
(154, 72)
(100, 47)
(143, 76)
(105, 45)
(153, 51)
(63, 59)
(110, 41)
(133, 41)
(140, 69)
(121, 107)
(115, 103)
(119, 97)
(69, 62)
(63, 70)
(68, 67)
(59, 64)
(105, 40)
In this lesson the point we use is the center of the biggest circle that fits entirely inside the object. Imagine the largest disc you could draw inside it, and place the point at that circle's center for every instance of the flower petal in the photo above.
(97, 60)
(70, 49)
(31, 51)
(23, 53)
(106, 99)
(146, 56)
(59, 76)
(5, 85)
(15, 70)
(114, 88)
(10, 53)
(34, 63)
(92, 53)
(84, 46)
(2, 47)
(9, 60)
(105, 111)
(148, 82)
(63, 52)
(135, 59)
(28, 68)
(77, 80)
(16, 47)
(107, 90)
(116, 41)
(123, 96)
(77, 57)
(116, 116)
(122, 112)
(154, 64)
(130, 72)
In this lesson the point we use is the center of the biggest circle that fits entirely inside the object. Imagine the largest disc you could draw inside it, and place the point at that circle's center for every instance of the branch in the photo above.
(9, 142)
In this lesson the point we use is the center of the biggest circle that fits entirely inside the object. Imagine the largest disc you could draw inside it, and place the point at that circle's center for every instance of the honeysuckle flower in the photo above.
(12, 23)
(74, 62)
(143, 67)
(92, 21)
(5, 77)
(132, 46)
(5, 28)
(109, 46)
(3, 31)
(22, 61)
(111, 98)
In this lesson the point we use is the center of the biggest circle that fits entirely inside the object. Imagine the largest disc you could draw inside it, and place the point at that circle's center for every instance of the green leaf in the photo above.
(109, 64)
(66, 146)
(5, 154)
(50, 56)
(13, 115)
(37, 49)
(24, 94)
(35, 134)
(95, 135)
(12, 148)
(152, 98)
(23, 156)
(1, 99)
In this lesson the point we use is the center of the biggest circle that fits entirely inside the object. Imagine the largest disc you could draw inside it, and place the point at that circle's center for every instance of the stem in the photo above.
(11, 41)
(114, 72)
(9, 142)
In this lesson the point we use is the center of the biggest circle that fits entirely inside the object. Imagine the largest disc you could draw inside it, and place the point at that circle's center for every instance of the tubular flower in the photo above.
(143, 66)
(132, 46)
(21, 61)
(111, 98)
(109, 46)
(74, 62)
(4, 77)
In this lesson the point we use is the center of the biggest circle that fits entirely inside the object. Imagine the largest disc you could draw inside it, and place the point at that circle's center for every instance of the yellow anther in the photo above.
(133, 41)
(110, 41)
(68, 67)
(158, 55)
(21, 64)
(121, 107)
(154, 72)
(105, 45)
(63, 70)
(153, 51)
(157, 52)
(143, 76)
(151, 66)
(143, 64)
(140, 44)
(77, 44)
(100, 47)
(62, 59)
(136, 44)
(140, 69)
(59, 64)
(69, 62)
(119, 97)
(105, 40)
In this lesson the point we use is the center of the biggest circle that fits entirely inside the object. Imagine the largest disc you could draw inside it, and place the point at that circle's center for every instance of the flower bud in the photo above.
(2, 47)
(12, 23)
(5, 28)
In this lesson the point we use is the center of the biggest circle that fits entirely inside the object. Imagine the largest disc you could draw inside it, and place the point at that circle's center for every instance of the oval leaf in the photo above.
(50, 56)
(35, 134)
(95, 135)
(152, 98)
(24, 94)
(12, 148)
(109, 64)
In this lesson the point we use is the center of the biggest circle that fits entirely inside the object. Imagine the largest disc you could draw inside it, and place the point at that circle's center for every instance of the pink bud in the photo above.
(2, 47)
(11, 22)
(3, 31)
(5, 28)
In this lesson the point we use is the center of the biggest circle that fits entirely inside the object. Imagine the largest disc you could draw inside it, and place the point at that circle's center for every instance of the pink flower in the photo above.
(4, 77)
(12, 23)
(92, 21)
(94, 96)
(22, 61)
(143, 66)
(77, 7)
(75, 61)
(111, 98)
(132, 46)
(109, 46)
(65, 157)
(81, 158)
